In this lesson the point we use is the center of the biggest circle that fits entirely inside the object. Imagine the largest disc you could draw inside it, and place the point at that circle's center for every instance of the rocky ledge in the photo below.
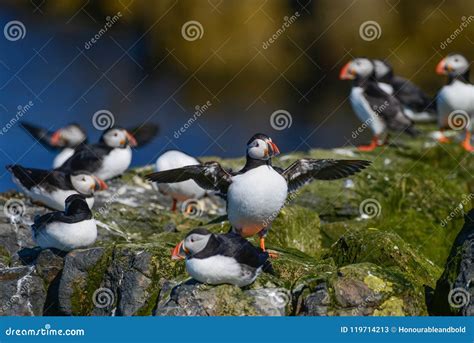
(386, 242)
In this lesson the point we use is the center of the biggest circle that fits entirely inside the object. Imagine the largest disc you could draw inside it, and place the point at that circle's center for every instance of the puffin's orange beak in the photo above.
(346, 72)
(131, 140)
(442, 67)
(275, 150)
(100, 185)
(56, 138)
(179, 252)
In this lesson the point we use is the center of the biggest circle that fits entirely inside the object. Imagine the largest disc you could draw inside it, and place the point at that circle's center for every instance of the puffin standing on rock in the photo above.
(418, 106)
(220, 258)
(455, 101)
(379, 110)
(66, 230)
(65, 139)
(180, 191)
(52, 187)
(107, 159)
(256, 194)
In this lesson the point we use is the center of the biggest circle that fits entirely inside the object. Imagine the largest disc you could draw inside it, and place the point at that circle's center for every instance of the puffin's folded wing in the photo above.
(31, 177)
(145, 133)
(41, 221)
(208, 175)
(306, 170)
(43, 136)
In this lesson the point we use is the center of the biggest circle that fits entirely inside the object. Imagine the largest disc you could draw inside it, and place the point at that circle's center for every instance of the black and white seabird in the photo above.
(66, 230)
(107, 159)
(180, 191)
(220, 258)
(68, 138)
(379, 110)
(418, 106)
(65, 139)
(52, 187)
(256, 194)
(456, 95)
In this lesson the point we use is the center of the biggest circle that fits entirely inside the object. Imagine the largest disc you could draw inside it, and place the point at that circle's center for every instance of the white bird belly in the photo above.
(255, 198)
(219, 269)
(62, 157)
(115, 163)
(364, 112)
(67, 237)
(457, 96)
(180, 191)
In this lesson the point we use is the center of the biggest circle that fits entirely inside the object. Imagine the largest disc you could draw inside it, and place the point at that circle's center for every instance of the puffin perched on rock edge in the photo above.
(256, 193)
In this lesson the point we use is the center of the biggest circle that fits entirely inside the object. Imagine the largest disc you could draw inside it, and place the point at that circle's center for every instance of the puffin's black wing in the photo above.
(145, 133)
(43, 136)
(209, 175)
(304, 171)
(411, 95)
(86, 157)
(41, 221)
(233, 245)
(31, 177)
(390, 109)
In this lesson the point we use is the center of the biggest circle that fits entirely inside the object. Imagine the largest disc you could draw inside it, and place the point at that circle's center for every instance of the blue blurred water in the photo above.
(64, 83)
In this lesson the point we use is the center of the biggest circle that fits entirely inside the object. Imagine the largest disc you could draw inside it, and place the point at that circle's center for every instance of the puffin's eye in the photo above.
(257, 144)
(83, 179)
(115, 134)
(192, 240)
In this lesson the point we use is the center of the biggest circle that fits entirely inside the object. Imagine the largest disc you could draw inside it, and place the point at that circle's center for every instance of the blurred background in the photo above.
(161, 61)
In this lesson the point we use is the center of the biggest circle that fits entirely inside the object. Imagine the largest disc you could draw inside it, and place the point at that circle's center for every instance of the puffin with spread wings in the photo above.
(256, 194)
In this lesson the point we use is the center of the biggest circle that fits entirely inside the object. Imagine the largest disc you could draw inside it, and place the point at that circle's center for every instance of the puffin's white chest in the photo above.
(62, 157)
(364, 111)
(255, 198)
(67, 237)
(219, 269)
(115, 163)
(456, 96)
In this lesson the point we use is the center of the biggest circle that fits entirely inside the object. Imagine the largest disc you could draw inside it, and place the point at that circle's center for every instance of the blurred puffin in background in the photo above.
(379, 110)
(455, 100)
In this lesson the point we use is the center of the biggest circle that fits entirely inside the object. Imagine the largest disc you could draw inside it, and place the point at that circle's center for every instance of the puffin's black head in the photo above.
(76, 203)
(117, 137)
(194, 242)
(383, 70)
(69, 136)
(453, 65)
(261, 147)
(359, 68)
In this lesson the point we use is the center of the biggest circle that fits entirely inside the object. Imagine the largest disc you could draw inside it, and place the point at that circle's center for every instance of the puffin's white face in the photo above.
(381, 68)
(195, 243)
(258, 149)
(361, 67)
(119, 138)
(453, 65)
(86, 184)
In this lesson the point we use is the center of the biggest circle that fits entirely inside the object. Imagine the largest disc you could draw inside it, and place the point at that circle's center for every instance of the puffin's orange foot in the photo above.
(443, 139)
(273, 254)
(467, 146)
(366, 148)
